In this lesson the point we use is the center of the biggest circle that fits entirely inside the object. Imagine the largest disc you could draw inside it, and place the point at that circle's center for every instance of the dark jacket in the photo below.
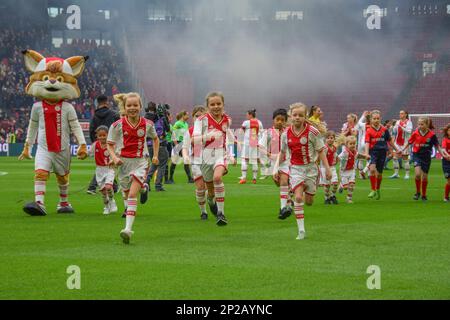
(102, 117)
(162, 126)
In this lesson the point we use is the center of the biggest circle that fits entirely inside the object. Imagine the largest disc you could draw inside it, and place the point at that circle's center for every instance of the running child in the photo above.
(187, 151)
(103, 172)
(301, 145)
(377, 139)
(423, 139)
(212, 136)
(331, 152)
(269, 144)
(127, 148)
(347, 166)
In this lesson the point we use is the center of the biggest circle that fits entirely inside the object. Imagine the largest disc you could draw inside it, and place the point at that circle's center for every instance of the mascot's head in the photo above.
(53, 79)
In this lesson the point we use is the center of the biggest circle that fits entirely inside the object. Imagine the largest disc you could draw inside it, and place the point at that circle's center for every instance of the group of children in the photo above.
(298, 149)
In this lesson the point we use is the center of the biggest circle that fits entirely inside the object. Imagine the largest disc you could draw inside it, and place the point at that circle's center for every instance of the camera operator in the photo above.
(157, 114)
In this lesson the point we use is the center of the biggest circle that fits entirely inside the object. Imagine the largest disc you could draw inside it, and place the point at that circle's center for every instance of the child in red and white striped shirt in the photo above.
(104, 173)
(301, 145)
(128, 135)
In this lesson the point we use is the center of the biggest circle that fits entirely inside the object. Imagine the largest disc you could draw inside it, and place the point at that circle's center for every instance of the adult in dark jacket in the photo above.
(103, 116)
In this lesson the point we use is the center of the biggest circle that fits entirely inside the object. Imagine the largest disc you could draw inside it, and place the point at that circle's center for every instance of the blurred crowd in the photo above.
(103, 75)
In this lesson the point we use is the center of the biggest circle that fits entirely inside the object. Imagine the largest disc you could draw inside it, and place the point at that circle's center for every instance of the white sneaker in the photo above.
(106, 210)
(112, 206)
(406, 177)
(394, 176)
(126, 235)
(349, 200)
(301, 235)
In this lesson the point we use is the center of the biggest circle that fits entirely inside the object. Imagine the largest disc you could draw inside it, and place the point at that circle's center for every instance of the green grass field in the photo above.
(175, 255)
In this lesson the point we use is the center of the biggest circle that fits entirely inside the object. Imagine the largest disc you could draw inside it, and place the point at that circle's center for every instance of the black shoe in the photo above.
(191, 180)
(65, 209)
(333, 200)
(204, 216)
(160, 189)
(34, 209)
(284, 213)
(170, 181)
(221, 220)
(144, 194)
(416, 196)
(213, 208)
(91, 191)
(327, 201)
(424, 198)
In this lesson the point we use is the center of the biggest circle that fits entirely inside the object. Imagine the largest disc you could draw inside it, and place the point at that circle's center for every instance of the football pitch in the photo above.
(175, 255)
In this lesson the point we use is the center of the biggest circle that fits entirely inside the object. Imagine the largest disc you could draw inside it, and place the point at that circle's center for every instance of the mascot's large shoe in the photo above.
(35, 209)
(64, 207)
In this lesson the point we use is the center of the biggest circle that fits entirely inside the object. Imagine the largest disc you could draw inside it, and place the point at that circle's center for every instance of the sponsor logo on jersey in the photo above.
(106, 153)
(57, 108)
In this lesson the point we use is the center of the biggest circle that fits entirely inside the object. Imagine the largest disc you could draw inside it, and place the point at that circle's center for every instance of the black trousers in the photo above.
(163, 157)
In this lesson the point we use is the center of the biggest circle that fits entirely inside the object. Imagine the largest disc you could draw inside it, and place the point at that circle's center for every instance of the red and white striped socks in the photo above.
(200, 195)
(39, 191)
(63, 190)
(219, 191)
(334, 188)
(326, 191)
(284, 193)
(255, 171)
(299, 215)
(131, 213)
(244, 169)
(351, 187)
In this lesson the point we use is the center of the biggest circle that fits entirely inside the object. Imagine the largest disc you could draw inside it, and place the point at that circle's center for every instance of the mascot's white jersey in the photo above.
(53, 124)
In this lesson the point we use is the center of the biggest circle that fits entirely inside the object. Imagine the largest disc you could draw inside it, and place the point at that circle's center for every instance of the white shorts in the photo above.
(104, 176)
(196, 172)
(207, 169)
(57, 162)
(175, 156)
(306, 176)
(323, 179)
(347, 176)
(284, 168)
(136, 168)
(405, 152)
(250, 153)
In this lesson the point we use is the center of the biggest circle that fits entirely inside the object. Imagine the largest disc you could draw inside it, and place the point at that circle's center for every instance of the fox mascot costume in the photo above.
(52, 120)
